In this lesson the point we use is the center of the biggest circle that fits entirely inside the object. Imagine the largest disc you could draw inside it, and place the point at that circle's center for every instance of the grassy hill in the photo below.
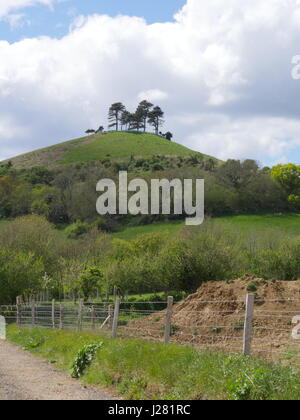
(102, 146)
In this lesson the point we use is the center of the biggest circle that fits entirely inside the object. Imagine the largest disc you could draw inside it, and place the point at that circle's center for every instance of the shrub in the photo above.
(253, 286)
(84, 358)
(77, 229)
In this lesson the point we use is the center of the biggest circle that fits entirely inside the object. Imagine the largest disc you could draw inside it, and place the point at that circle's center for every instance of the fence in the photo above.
(263, 328)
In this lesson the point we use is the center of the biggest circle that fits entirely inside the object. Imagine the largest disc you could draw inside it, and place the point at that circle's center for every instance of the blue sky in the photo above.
(220, 69)
(54, 21)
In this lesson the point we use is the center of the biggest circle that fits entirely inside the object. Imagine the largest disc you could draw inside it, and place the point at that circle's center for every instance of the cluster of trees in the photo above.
(146, 113)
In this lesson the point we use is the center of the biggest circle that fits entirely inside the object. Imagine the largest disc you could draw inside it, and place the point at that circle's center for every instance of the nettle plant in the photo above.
(84, 358)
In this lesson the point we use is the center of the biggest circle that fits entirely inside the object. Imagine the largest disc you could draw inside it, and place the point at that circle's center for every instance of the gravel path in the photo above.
(27, 377)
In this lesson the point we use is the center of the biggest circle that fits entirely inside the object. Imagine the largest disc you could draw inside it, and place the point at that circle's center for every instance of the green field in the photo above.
(143, 370)
(288, 224)
(132, 232)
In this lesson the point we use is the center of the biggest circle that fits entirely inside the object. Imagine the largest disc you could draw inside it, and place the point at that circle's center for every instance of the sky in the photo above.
(221, 70)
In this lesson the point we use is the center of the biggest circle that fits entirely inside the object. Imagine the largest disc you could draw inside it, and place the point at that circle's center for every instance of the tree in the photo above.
(20, 271)
(137, 120)
(288, 176)
(156, 118)
(100, 129)
(90, 131)
(125, 119)
(168, 136)
(90, 281)
(114, 114)
(238, 174)
(143, 112)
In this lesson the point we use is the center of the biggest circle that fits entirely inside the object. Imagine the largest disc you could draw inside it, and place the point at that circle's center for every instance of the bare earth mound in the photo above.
(214, 317)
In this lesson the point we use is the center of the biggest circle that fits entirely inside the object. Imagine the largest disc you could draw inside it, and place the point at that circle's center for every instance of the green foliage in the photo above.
(294, 201)
(288, 176)
(77, 229)
(84, 358)
(253, 286)
(90, 281)
(39, 175)
(19, 273)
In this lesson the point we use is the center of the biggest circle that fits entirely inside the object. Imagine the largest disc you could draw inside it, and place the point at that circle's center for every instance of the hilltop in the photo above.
(98, 147)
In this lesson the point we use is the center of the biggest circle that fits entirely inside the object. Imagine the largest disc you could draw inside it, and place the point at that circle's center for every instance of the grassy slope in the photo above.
(132, 232)
(100, 147)
(288, 224)
(124, 145)
(144, 370)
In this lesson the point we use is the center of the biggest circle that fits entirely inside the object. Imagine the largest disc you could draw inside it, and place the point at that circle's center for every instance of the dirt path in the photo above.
(26, 377)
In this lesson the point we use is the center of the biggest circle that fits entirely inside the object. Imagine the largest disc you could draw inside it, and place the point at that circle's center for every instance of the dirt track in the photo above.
(26, 377)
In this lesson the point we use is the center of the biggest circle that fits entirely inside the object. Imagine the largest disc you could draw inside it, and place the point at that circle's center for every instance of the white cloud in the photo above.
(254, 138)
(17, 20)
(153, 95)
(221, 71)
(7, 6)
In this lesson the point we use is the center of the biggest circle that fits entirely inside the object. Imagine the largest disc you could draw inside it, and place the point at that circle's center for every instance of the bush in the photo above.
(77, 229)
(282, 263)
(199, 257)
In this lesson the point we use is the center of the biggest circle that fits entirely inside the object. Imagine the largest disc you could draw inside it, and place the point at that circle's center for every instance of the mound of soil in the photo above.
(214, 317)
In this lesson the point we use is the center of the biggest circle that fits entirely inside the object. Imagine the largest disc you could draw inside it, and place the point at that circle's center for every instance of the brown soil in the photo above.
(214, 317)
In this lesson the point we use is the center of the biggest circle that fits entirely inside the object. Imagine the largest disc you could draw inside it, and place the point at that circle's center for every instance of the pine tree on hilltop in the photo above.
(143, 112)
(156, 118)
(90, 131)
(137, 119)
(114, 114)
(125, 119)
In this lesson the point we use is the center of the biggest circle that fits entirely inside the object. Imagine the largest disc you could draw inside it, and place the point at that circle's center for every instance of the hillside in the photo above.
(102, 146)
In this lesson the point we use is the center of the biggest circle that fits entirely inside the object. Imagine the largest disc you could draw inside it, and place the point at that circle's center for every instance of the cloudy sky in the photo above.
(221, 70)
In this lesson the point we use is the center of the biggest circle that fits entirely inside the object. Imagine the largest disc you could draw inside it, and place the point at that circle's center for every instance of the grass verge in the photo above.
(143, 370)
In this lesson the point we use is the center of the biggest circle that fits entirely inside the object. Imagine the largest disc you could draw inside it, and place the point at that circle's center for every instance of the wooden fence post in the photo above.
(80, 314)
(110, 315)
(168, 322)
(53, 313)
(93, 318)
(116, 318)
(248, 328)
(61, 317)
(33, 314)
(19, 309)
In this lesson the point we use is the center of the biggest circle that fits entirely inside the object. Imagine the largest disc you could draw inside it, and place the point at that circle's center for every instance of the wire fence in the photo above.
(263, 328)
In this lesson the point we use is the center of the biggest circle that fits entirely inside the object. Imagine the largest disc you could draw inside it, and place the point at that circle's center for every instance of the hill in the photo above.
(113, 145)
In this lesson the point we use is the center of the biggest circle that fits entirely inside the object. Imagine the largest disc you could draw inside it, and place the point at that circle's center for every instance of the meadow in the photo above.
(285, 224)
